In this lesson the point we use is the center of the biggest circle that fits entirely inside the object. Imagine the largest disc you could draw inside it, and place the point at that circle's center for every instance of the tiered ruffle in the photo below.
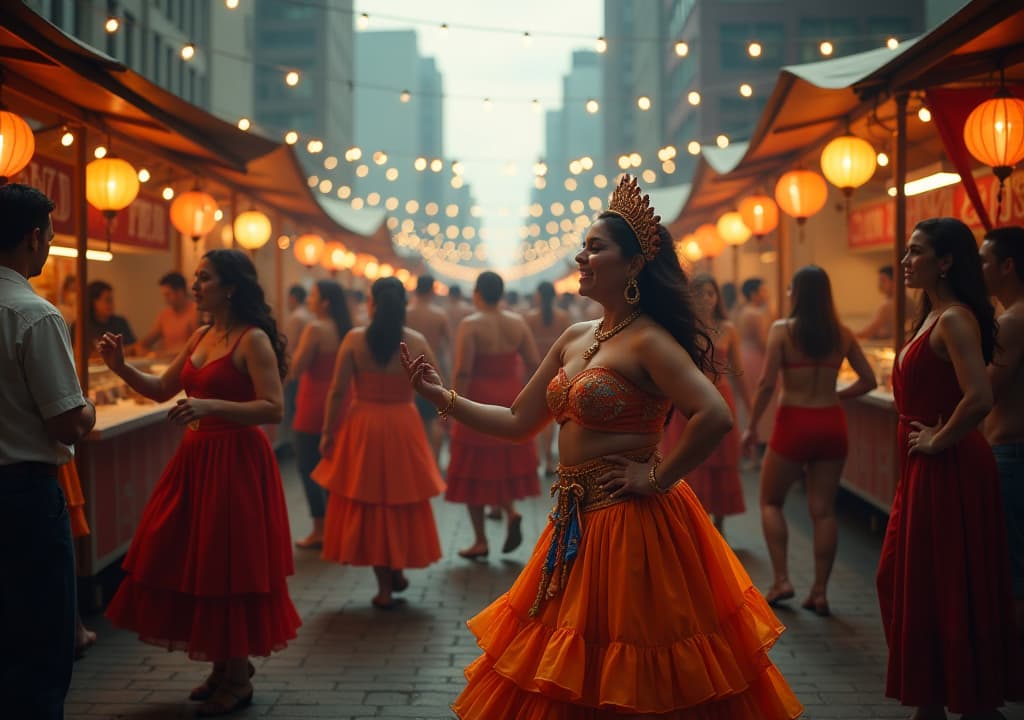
(67, 475)
(658, 618)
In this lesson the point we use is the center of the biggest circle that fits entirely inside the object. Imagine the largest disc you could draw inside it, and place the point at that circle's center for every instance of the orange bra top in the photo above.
(602, 399)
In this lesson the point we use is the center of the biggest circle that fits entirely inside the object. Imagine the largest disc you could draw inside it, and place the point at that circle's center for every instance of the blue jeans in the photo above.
(307, 455)
(1010, 460)
(37, 593)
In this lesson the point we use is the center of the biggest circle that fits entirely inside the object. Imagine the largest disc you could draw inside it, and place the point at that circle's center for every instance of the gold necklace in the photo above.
(602, 335)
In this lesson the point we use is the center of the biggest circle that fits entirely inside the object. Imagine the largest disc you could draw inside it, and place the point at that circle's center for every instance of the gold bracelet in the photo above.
(452, 396)
(652, 480)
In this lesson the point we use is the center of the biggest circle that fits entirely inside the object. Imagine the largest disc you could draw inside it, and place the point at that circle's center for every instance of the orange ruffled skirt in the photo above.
(381, 476)
(657, 618)
(67, 476)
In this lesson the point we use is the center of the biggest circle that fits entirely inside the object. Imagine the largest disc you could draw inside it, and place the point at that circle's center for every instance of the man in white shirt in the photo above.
(44, 413)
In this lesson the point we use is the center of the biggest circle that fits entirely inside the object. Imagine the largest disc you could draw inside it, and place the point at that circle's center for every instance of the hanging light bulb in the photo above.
(291, 137)
(601, 45)
(244, 123)
(693, 147)
(527, 40)
(404, 96)
(112, 25)
(144, 175)
(488, 105)
(755, 49)
(535, 105)
(291, 78)
(100, 152)
(231, 4)
(188, 51)
(693, 98)
(363, 21)
(682, 48)
(722, 141)
(443, 30)
(592, 106)
(826, 48)
(67, 138)
(924, 114)
(882, 159)
(746, 90)
(643, 102)
(892, 43)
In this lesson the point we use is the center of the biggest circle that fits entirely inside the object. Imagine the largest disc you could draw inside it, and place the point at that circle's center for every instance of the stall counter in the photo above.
(872, 466)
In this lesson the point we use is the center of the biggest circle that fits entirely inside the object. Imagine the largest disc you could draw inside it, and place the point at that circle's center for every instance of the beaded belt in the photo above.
(578, 492)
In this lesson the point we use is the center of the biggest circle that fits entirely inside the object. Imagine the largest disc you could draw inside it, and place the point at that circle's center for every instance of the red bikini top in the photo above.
(602, 399)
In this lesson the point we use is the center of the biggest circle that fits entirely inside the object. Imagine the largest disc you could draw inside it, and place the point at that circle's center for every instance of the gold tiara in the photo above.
(635, 208)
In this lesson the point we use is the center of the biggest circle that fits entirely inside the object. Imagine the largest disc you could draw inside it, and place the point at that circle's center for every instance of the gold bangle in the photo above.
(652, 480)
(452, 396)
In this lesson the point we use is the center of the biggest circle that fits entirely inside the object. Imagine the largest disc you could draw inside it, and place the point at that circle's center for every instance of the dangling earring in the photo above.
(632, 292)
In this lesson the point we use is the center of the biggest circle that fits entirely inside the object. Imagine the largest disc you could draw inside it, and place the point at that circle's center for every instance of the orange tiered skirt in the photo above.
(381, 476)
(67, 475)
(656, 618)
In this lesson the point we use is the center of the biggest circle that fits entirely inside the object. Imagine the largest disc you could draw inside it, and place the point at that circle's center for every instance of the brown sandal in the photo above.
(211, 683)
(226, 699)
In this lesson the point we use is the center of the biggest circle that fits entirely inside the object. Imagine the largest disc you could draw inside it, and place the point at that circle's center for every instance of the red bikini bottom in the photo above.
(810, 434)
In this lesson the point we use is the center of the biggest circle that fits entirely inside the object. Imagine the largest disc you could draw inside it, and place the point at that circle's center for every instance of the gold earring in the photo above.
(632, 292)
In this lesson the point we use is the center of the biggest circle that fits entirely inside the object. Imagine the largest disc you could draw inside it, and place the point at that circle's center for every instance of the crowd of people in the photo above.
(639, 404)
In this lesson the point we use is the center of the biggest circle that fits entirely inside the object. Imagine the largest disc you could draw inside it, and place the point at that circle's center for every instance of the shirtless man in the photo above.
(1002, 262)
(426, 318)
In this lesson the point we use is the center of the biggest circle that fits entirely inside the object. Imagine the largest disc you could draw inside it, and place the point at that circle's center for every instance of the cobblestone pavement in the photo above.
(351, 661)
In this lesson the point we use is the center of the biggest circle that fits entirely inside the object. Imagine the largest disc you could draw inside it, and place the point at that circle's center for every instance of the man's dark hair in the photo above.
(751, 286)
(298, 292)
(490, 286)
(23, 209)
(425, 285)
(173, 280)
(1008, 242)
(886, 270)
(455, 292)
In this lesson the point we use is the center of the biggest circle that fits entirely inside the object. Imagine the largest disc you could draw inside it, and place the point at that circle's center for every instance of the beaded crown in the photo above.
(635, 208)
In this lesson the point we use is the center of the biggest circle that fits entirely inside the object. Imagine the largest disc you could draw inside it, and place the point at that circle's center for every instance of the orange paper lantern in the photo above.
(760, 214)
(848, 162)
(308, 249)
(732, 229)
(709, 241)
(801, 193)
(17, 145)
(994, 133)
(111, 184)
(334, 256)
(193, 214)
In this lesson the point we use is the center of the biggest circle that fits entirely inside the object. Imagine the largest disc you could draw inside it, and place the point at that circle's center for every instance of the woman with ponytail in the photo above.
(377, 463)
(313, 366)
(547, 323)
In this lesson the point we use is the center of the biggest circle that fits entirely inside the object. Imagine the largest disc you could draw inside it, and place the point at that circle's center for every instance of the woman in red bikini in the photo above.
(208, 566)
(631, 605)
(944, 574)
(809, 435)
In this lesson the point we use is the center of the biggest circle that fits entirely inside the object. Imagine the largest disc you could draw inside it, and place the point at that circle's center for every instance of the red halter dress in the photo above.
(208, 566)
(629, 607)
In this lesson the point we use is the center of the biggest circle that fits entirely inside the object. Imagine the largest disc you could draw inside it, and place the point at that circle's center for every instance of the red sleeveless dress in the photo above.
(208, 566)
(716, 482)
(485, 470)
(944, 574)
(311, 398)
(381, 477)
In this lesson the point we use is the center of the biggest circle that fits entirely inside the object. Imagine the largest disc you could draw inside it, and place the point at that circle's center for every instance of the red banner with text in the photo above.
(873, 225)
(146, 223)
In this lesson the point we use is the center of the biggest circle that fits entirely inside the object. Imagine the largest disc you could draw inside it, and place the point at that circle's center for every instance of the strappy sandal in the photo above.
(211, 683)
(226, 699)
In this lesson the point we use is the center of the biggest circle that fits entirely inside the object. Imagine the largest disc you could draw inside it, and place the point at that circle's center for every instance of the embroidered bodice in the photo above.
(602, 399)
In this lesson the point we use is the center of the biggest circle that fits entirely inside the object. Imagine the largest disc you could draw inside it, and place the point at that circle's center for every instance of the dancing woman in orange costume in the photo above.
(632, 605)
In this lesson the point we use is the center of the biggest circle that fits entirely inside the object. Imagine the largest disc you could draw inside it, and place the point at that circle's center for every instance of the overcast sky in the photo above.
(477, 64)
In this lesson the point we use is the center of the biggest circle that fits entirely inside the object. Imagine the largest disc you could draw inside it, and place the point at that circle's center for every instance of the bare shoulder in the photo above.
(779, 326)
(413, 337)
(957, 319)
(1011, 328)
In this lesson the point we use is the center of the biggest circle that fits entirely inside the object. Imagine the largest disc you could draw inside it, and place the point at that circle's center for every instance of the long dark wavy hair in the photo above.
(949, 236)
(698, 283)
(384, 333)
(93, 292)
(248, 303)
(665, 293)
(815, 329)
(547, 302)
(337, 307)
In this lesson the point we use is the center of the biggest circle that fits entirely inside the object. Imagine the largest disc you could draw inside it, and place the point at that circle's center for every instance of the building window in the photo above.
(737, 117)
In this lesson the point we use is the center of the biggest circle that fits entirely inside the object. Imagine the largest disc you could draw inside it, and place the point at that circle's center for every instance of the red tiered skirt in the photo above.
(944, 582)
(657, 618)
(381, 477)
(716, 482)
(207, 569)
(67, 476)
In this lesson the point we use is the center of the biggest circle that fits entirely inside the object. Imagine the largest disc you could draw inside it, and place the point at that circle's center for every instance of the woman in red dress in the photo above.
(484, 470)
(313, 366)
(632, 605)
(377, 462)
(207, 569)
(716, 482)
(943, 578)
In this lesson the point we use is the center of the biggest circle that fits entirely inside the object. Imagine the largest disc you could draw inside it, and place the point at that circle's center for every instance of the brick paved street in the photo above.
(351, 661)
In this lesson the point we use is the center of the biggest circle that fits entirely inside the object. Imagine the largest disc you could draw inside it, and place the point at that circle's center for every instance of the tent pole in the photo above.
(900, 230)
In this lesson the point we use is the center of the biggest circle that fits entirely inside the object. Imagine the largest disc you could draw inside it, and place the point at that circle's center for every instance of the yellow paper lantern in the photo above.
(710, 242)
(801, 193)
(848, 162)
(371, 270)
(194, 214)
(688, 250)
(334, 256)
(17, 145)
(732, 229)
(994, 133)
(252, 229)
(111, 184)
(309, 249)
(760, 214)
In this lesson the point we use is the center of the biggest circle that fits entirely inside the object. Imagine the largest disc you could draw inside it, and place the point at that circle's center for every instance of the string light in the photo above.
(443, 30)
(99, 152)
(363, 21)
(826, 48)
(682, 48)
(693, 98)
(167, 193)
(722, 141)
(601, 45)
(755, 49)
(330, 162)
(526, 39)
(231, 4)
(143, 175)
(882, 159)
(488, 105)
(535, 105)
(892, 43)
(243, 123)
(924, 114)
(291, 78)
(67, 139)
(746, 90)
(188, 51)
(112, 25)
(291, 137)
(693, 147)
(643, 102)
(404, 96)
(314, 146)
(592, 106)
